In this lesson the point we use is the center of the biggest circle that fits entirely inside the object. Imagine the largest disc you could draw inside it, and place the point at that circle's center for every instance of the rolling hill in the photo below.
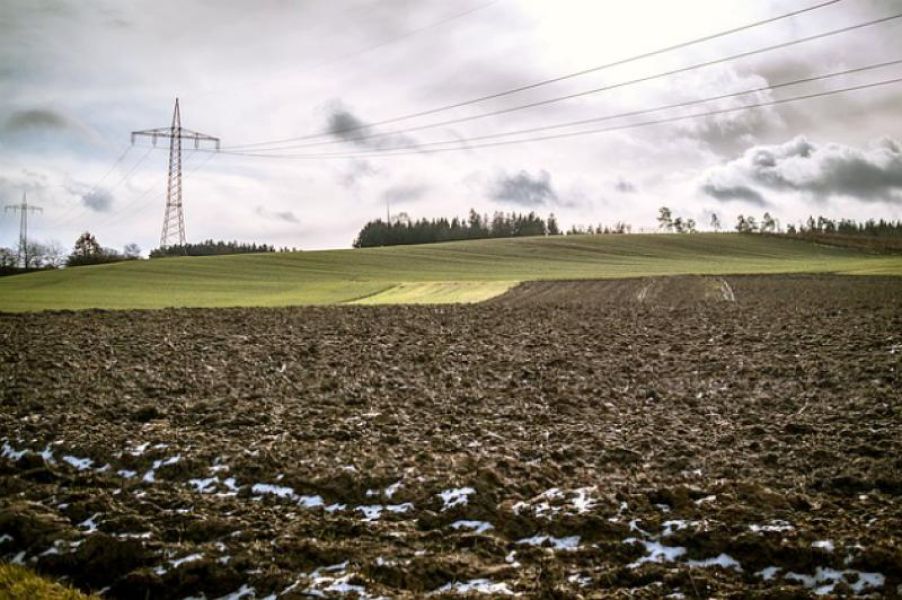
(467, 271)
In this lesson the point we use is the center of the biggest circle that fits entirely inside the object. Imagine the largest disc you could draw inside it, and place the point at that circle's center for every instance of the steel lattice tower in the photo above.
(23, 227)
(173, 233)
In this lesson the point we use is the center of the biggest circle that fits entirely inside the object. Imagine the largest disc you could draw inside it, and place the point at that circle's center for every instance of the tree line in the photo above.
(88, 251)
(402, 230)
(216, 248)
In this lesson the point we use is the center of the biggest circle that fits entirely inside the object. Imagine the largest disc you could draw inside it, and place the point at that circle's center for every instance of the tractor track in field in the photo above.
(563, 440)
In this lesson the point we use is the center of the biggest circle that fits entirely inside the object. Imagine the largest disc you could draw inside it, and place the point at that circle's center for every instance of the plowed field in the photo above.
(735, 436)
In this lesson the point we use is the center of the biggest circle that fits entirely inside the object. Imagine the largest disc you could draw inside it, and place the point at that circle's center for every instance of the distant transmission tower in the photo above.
(174, 221)
(23, 227)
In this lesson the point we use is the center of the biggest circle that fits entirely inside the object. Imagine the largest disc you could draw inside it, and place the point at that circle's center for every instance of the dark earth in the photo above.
(677, 437)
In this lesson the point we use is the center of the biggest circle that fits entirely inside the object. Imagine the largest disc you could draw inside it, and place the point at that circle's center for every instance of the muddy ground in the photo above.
(688, 437)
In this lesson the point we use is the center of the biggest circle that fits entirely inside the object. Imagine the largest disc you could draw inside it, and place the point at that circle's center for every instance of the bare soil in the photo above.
(710, 437)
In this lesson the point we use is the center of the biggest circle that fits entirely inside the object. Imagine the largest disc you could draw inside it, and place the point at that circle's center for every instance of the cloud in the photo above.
(35, 119)
(284, 215)
(822, 171)
(344, 125)
(98, 200)
(357, 170)
(734, 192)
(524, 189)
(624, 187)
(400, 194)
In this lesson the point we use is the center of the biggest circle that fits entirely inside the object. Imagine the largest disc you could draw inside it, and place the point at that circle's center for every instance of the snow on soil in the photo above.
(776, 525)
(824, 580)
(374, 511)
(655, 552)
(90, 524)
(722, 560)
(477, 526)
(262, 489)
(80, 464)
(566, 543)
(151, 475)
(456, 497)
(176, 562)
(478, 586)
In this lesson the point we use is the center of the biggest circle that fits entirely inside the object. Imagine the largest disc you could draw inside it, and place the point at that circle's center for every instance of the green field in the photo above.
(435, 273)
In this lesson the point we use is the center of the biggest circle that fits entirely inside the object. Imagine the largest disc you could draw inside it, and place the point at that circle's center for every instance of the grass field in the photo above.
(450, 272)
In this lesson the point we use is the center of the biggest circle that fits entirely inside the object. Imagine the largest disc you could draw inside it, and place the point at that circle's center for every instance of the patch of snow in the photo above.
(335, 507)
(456, 497)
(776, 525)
(47, 455)
(371, 512)
(18, 559)
(825, 579)
(477, 526)
(185, 559)
(477, 586)
(400, 508)
(204, 486)
(825, 545)
(656, 552)
(80, 464)
(722, 560)
(139, 450)
(664, 508)
(706, 500)
(275, 490)
(5, 538)
(11, 453)
(150, 475)
(245, 591)
(126, 473)
(90, 524)
(768, 573)
(675, 525)
(511, 559)
(580, 580)
(566, 543)
(145, 535)
(582, 502)
(392, 489)
(310, 501)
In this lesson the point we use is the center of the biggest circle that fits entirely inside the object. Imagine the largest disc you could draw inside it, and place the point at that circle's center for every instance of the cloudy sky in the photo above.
(77, 77)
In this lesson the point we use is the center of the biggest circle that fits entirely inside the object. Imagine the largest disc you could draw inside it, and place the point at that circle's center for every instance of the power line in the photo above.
(634, 113)
(83, 210)
(382, 44)
(553, 79)
(589, 131)
(605, 88)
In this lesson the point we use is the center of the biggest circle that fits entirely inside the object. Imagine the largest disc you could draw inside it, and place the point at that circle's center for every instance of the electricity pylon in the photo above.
(23, 227)
(174, 219)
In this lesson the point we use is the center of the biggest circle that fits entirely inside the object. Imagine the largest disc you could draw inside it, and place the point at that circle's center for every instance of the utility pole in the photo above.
(23, 227)
(174, 220)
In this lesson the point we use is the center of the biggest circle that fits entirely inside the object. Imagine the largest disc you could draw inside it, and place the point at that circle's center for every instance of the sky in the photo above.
(337, 78)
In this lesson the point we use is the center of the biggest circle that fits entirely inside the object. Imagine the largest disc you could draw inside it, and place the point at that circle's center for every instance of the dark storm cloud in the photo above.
(872, 173)
(98, 200)
(285, 215)
(624, 187)
(24, 120)
(735, 192)
(400, 194)
(344, 125)
(524, 189)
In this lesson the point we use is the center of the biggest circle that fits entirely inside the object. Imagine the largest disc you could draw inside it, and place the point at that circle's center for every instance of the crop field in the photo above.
(451, 272)
(706, 436)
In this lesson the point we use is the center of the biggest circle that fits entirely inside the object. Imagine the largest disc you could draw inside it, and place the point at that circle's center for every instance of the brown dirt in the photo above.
(762, 424)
